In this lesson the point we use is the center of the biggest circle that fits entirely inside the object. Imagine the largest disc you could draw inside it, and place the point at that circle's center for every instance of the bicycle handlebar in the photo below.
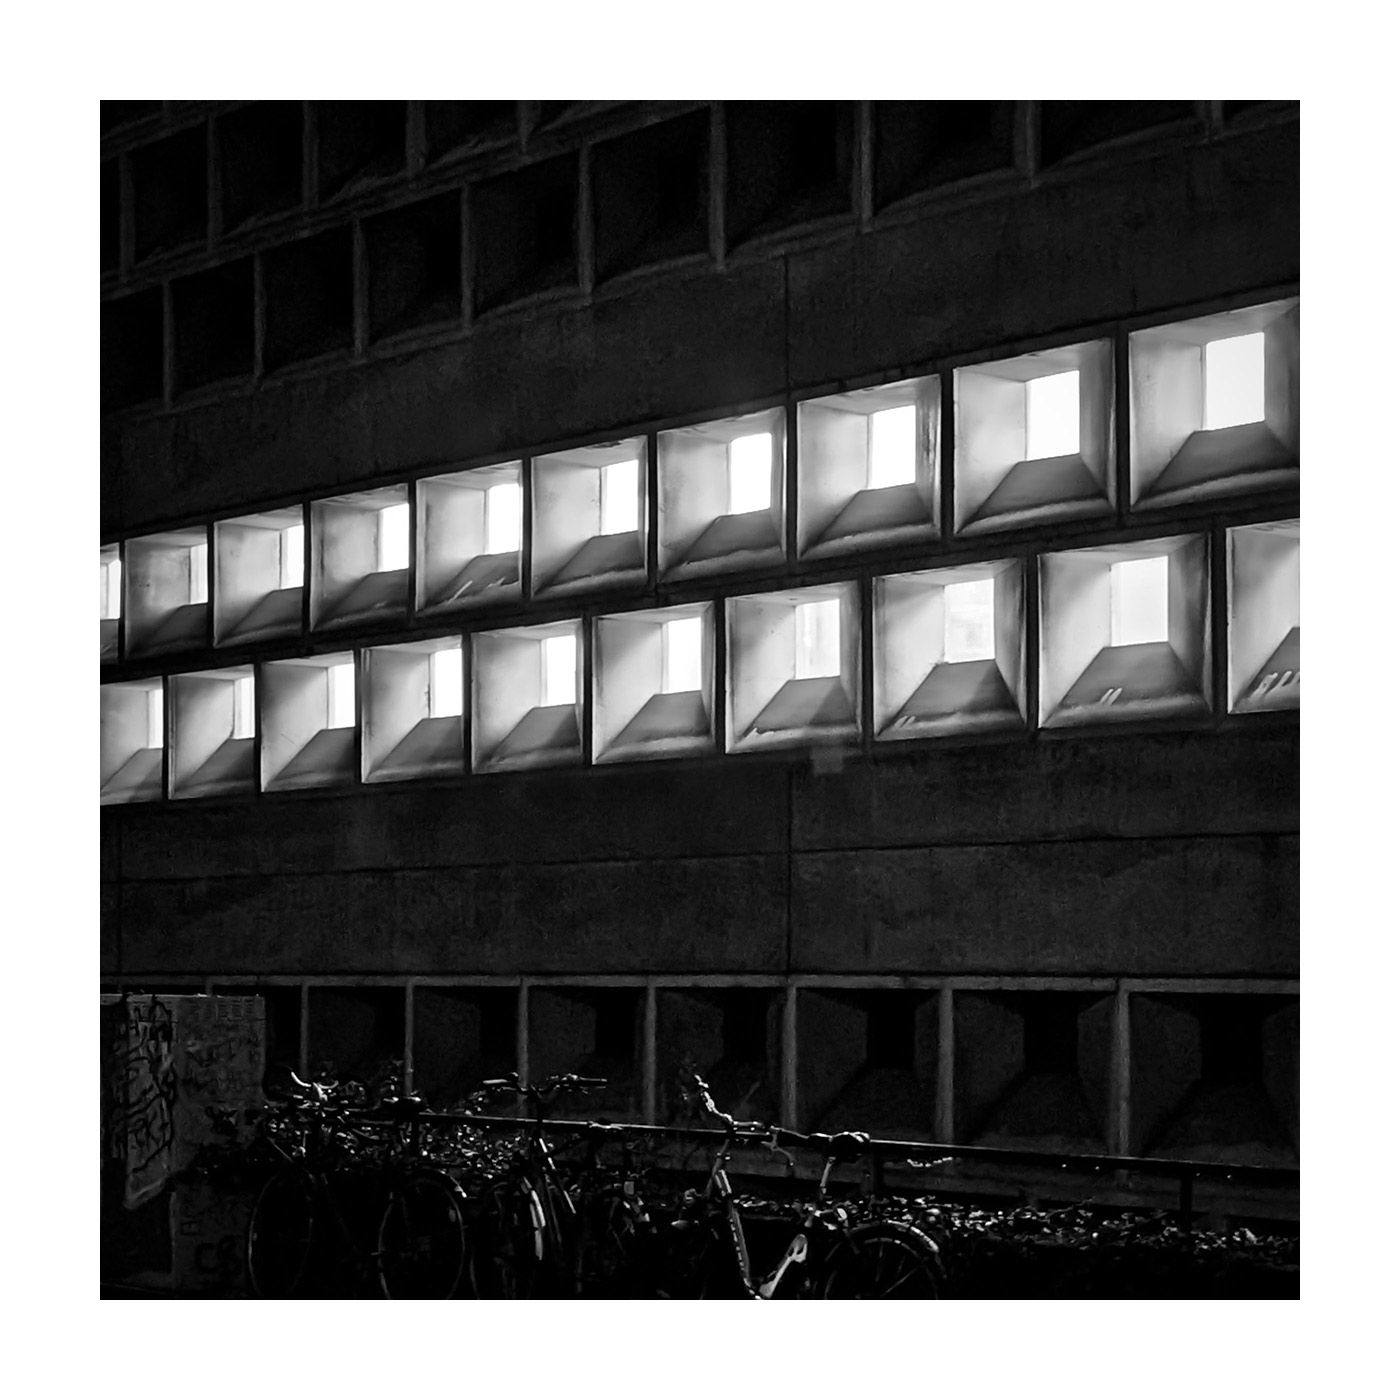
(544, 1091)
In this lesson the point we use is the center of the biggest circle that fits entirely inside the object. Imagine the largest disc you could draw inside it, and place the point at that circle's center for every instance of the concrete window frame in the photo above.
(347, 586)
(1086, 680)
(569, 553)
(252, 598)
(299, 747)
(511, 726)
(768, 706)
(402, 738)
(696, 535)
(110, 573)
(918, 692)
(995, 485)
(838, 508)
(1263, 578)
(165, 606)
(132, 768)
(1173, 459)
(456, 571)
(207, 757)
(634, 717)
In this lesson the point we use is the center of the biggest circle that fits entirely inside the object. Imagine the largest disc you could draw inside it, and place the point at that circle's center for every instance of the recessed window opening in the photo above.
(391, 539)
(750, 461)
(969, 620)
(503, 518)
(111, 589)
(558, 664)
(893, 447)
(889, 1033)
(292, 557)
(1052, 416)
(199, 573)
(1138, 601)
(243, 708)
(1051, 1036)
(445, 682)
(681, 639)
(818, 640)
(155, 718)
(1234, 375)
(618, 506)
(340, 695)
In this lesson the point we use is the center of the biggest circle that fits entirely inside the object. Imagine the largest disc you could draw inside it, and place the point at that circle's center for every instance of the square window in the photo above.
(818, 639)
(750, 463)
(340, 695)
(1052, 416)
(617, 513)
(1138, 601)
(893, 446)
(681, 640)
(558, 669)
(1234, 375)
(445, 683)
(360, 553)
(164, 592)
(259, 575)
(969, 620)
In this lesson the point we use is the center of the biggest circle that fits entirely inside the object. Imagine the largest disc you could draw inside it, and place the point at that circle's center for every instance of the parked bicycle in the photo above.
(352, 1202)
(831, 1253)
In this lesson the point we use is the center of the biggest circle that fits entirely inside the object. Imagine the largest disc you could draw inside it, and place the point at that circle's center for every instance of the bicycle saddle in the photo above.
(844, 1147)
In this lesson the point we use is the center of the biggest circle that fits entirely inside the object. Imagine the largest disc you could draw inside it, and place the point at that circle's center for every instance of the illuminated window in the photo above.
(750, 473)
(243, 708)
(155, 718)
(111, 589)
(199, 573)
(391, 539)
(340, 694)
(680, 655)
(1234, 374)
(1052, 416)
(818, 629)
(292, 557)
(558, 663)
(503, 518)
(893, 446)
(618, 508)
(1138, 601)
(969, 618)
(445, 682)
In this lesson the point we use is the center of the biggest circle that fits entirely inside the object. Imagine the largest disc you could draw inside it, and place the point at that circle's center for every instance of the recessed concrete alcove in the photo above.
(165, 580)
(1124, 632)
(527, 697)
(212, 729)
(309, 714)
(413, 710)
(731, 1038)
(949, 650)
(259, 575)
(1214, 405)
(469, 527)
(867, 468)
(133, 741)
(1265, 620)
(360, 554)
(1033, 438)
(594, 1032)
(653, 683)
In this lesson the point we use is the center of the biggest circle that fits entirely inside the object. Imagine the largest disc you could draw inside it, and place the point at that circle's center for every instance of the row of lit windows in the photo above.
(1124, 634)
(1214, 410)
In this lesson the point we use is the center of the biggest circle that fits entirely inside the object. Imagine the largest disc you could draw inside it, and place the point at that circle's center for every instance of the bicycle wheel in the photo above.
(884, 1260)
(422, 1243)
(279, 1235)
(505, 1252)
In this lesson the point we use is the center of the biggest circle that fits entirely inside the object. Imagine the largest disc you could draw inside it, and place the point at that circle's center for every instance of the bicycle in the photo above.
(537, 1232)
(827, 1255)
(352, 1195)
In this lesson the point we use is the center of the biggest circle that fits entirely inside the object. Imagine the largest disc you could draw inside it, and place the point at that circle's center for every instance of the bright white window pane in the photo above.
(559, 665)
(445, 682)
(1052, 416)
(199, 573)
(293, 557)
(243, 708)
(155, 718)
(1234, 370)
(969, 621)
(893, 445)
(1138, 599)
(112, 588)
(340, 695)
(750, 473)
(818, 627)
(618, 511)
(393, 538)
(503, 518)
(681, 640)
